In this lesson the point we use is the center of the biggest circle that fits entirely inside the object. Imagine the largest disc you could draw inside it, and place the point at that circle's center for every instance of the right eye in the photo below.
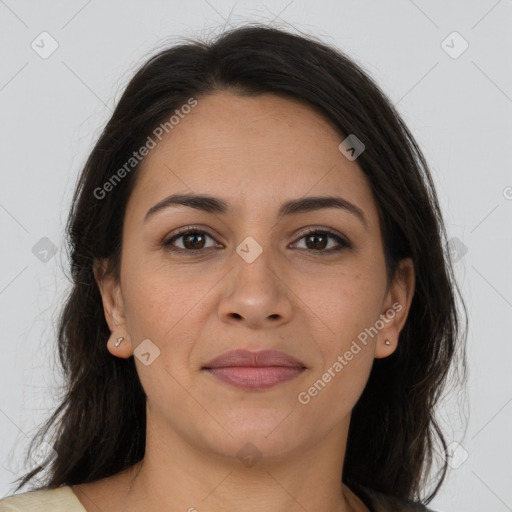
(193, 240)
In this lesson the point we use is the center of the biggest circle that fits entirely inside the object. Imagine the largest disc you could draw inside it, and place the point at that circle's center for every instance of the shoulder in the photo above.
(60, 499)
(379, 502)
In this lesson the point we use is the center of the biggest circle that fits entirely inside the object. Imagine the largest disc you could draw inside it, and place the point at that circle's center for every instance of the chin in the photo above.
(267, 433)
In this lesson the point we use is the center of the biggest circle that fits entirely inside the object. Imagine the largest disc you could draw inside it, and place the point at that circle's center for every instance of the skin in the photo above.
(254, 153)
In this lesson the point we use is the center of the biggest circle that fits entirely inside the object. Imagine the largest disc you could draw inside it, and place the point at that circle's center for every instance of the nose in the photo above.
(256, 293)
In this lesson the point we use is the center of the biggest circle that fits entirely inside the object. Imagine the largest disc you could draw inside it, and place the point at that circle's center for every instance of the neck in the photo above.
(177, 475)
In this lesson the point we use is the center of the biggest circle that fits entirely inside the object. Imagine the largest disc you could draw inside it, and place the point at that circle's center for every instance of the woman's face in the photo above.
(251, 278)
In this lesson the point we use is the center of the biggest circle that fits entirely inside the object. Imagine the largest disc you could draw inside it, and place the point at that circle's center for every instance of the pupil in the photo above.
(193, 236)
(316, 244)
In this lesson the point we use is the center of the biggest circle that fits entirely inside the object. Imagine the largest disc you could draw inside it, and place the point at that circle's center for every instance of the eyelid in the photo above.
(186, 229)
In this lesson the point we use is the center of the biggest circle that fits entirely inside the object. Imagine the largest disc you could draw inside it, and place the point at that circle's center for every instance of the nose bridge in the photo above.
(253, 262)
(256, 292)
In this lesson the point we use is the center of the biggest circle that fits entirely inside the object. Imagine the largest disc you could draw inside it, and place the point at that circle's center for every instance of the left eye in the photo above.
(319, 239)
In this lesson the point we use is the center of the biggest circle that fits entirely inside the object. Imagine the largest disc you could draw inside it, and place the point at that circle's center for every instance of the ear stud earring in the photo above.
(118, 341)
(387, 342)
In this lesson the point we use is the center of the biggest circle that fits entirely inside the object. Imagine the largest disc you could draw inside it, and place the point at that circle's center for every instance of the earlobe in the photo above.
(396, 308)
(119, 346)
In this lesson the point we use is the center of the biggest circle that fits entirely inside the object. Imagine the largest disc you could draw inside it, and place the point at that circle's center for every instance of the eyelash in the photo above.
(343, 243)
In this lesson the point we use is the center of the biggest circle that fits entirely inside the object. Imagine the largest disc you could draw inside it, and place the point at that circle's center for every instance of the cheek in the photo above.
(157, 295)
(331, 394)
(347, 305)
(163, 307)
(340, 309)
(342, 303)
(171, 307)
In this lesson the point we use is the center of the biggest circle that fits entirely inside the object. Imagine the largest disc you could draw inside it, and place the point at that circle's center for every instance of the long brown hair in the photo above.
(100, 426)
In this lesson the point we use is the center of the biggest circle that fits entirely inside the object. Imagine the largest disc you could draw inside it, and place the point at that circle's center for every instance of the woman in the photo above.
(263, 312)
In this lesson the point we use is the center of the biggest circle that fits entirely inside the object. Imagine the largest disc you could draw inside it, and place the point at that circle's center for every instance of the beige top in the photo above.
(63, 499)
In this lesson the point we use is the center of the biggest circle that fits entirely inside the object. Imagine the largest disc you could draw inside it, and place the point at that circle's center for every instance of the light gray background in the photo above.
(459, 109)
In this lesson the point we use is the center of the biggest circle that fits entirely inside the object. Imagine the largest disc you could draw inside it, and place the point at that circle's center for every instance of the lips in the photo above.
(246, 358)
(254, 370)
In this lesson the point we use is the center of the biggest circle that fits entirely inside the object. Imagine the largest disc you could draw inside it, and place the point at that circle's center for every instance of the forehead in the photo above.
(251, 151)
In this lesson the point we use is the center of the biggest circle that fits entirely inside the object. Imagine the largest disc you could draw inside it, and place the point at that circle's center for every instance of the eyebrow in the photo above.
(212, 204)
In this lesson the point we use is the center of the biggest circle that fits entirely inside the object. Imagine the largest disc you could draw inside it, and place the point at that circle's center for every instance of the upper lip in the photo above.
(242, 357)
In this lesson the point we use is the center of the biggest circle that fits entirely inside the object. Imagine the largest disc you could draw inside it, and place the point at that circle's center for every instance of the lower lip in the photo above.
(249, 377)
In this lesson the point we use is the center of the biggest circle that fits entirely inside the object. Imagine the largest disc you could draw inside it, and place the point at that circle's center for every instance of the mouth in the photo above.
(254, 370)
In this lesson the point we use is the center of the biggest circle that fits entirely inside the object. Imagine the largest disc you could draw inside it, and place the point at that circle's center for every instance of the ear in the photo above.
(113, 307)
(396, 307)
